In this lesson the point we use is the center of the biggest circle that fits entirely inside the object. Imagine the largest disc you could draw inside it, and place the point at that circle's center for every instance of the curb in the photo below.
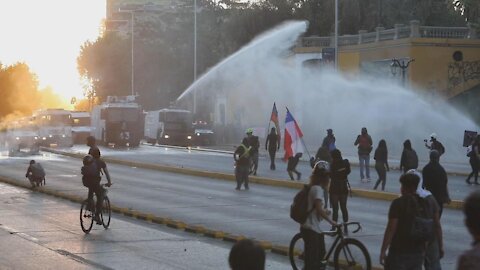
(369, 194)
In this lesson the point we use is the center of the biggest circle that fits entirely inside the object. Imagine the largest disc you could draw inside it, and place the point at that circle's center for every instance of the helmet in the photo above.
(88, 159)
(321, 167)
(433, 135)
(249, 130)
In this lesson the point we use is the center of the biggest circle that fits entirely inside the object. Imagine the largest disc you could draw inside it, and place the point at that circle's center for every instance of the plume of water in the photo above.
(266, 71)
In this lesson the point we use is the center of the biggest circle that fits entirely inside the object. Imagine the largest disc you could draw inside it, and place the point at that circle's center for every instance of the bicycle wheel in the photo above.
(295, 252)
(351, 254)
(106, 212)
(86, 217)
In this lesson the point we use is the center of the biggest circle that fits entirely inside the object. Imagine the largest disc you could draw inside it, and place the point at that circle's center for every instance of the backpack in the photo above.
(411, 159)
(37, 170)
(422, 229)
(299, 208)
(90, 173)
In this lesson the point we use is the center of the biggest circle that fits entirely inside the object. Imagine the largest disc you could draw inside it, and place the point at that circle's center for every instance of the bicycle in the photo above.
(348, 253)
(87, 215)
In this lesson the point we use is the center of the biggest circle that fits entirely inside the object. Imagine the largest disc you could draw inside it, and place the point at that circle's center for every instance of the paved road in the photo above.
(41, 232)
(260, 213)
(223, 162)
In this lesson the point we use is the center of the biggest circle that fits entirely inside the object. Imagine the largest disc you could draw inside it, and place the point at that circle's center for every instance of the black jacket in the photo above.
(435, 180)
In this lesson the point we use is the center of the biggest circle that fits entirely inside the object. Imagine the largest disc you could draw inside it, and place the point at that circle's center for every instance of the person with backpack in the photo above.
(434, 250)
(365, 146)
(35, 173)
(474, 158)
(254, 143)
(292, 166)
(272, 144)
(339, 185)
(435, 180)
(435, 144)
(409, 159)
(307, 209)
(381, 164)
(408, 228)
(93, 166)
(329, 141)
(242, 163)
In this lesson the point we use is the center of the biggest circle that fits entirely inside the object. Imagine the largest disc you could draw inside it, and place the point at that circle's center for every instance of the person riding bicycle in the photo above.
(35, 173)
(91, 170)
(311, 232)
(91, 142)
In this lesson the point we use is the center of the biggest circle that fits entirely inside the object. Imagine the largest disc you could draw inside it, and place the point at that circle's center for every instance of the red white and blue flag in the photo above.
(293, 137)
(274, 119)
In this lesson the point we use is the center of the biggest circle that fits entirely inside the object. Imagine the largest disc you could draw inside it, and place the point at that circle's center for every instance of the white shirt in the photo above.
(313, 220)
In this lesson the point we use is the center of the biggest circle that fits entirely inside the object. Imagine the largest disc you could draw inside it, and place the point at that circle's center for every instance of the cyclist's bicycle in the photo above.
(348, 253)
(87, 214)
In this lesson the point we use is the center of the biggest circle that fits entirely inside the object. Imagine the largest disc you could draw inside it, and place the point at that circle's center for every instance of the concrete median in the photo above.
(370, 194)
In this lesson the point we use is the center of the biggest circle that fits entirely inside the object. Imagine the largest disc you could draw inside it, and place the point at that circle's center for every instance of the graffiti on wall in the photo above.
(461, 72)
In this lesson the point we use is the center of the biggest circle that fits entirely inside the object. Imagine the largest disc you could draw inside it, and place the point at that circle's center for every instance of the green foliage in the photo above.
(164, 41)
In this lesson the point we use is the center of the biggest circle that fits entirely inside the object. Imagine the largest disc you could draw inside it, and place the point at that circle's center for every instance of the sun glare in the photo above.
(47, 35)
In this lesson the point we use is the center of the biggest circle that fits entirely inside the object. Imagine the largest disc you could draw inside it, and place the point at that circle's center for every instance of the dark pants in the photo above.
(98, 190)
(335, 200)
(254, 163)
(272, 158)
(403, 261)
(290, 173)
(382, 175)
(241, 174)
(474, 164)
(314, 249)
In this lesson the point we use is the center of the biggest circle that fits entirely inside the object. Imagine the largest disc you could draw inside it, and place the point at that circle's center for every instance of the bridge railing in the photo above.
(414, 30)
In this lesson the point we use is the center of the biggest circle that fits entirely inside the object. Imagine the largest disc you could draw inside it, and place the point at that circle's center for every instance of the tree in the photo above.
(469, 9)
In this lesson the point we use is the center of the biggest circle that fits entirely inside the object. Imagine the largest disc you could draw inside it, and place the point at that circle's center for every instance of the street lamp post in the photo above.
(402, 65)
(336, 34)
(132, 13)
(194, 54)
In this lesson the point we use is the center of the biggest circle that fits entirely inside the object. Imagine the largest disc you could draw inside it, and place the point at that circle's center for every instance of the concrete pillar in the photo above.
(397, 30)
(472, 33)
(378, 29)
(360, 36)
(414, 28)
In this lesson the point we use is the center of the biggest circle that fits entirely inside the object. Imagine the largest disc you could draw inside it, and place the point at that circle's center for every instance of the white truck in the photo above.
(118, 121)
(169, 126)
(20, 135)
(54, 127)
(81, 126)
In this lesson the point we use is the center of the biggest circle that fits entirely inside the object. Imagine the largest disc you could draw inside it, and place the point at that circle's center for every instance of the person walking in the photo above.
(292, 166)
(329, 141)
(311, 231)
(470, 259)
(339, 186)
(474, 156)
(242, 164)
(434, 250)
(364, 142)
(272, 144)
(409, 159)
(404, 250)
(436, 181)
(254, 143)
(381, 164)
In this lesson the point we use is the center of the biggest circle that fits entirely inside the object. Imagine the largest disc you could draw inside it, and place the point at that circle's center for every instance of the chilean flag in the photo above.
(293, 137)
(274, 119)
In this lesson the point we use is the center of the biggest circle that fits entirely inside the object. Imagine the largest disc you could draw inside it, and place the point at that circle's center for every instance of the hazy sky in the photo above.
(47, 35)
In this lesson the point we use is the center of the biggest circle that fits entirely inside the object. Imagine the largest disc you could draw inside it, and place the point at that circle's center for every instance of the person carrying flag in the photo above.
(272, 144)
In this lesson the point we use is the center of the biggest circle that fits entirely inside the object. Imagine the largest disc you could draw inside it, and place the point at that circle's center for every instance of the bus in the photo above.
(169, 127)
(118, 121)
